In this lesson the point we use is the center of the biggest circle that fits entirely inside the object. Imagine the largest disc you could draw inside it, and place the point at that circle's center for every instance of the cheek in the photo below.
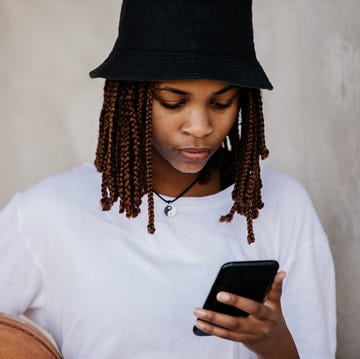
(164, 128)
(161, 134)
(225, 124)
(158, 142)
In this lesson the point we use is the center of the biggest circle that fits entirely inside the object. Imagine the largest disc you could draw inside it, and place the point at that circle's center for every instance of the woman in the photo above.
(187, 184)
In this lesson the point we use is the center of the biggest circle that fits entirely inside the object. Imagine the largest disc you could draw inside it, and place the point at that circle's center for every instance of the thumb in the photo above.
(275, 292)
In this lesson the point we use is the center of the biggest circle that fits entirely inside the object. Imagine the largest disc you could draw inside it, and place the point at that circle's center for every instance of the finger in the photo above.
(275, 292)
(252, 307)
(219, 319)
(222, 332)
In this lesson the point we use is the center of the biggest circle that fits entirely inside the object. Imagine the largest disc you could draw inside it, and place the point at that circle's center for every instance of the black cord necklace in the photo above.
(170, 209)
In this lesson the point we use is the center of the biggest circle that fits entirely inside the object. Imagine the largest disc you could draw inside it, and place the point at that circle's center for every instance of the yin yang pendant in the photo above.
(170, 211)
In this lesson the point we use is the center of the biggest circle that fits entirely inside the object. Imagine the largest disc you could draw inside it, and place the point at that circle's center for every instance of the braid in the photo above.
(102, 162)
(119, 154)
(248, 148)
(129, 112)
(124, 152)
(148, 161)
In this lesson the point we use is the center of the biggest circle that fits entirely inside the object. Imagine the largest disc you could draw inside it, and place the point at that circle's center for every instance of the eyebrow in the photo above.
(181, 92)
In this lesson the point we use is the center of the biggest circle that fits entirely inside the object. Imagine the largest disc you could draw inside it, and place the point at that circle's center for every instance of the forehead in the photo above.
(194, 86)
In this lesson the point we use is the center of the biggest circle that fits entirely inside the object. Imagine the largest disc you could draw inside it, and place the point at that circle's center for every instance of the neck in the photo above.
(171, 182)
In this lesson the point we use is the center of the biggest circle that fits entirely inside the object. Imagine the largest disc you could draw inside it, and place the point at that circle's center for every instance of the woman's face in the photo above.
(190, 119)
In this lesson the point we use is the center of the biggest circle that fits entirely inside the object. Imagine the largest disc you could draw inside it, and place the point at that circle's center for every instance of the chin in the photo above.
(190, 168)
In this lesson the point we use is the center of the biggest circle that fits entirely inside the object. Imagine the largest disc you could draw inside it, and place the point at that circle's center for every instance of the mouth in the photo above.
(194, 154)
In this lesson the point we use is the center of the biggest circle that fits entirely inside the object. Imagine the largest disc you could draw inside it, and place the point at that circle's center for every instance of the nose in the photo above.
(198, 123)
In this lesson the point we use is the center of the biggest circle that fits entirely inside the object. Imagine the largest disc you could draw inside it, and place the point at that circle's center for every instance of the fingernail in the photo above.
(200, 313)
(224, 297)
(200, 324)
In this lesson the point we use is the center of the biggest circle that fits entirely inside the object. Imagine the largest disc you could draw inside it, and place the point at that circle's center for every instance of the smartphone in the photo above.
(250, 279)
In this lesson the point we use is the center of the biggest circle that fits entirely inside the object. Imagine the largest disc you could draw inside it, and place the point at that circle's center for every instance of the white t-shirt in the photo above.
(105, 288)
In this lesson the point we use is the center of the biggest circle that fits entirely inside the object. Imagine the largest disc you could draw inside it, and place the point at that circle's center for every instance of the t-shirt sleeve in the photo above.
(21, 279)
(309, 300)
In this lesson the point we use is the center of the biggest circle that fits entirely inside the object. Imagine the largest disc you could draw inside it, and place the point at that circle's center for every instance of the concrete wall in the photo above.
(310, 50)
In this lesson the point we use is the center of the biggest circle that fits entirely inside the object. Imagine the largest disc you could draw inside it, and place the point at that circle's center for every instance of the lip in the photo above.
(194, 154)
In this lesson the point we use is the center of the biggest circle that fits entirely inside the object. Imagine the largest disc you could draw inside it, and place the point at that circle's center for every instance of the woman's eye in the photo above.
(172, 106)
(221, 106)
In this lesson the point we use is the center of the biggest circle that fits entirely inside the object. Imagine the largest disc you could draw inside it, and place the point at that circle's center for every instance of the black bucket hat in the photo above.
(185, 39)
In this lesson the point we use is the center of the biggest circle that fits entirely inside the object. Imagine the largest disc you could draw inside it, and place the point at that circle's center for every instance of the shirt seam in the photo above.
(305, 247)
(29, 246)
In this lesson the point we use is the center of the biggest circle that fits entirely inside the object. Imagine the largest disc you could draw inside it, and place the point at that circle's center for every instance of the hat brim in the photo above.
(160, 66)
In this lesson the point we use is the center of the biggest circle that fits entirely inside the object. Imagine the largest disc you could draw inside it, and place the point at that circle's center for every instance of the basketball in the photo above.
(20, 339)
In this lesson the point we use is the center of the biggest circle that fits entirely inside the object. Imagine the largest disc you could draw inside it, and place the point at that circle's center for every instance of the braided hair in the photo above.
(124, 152)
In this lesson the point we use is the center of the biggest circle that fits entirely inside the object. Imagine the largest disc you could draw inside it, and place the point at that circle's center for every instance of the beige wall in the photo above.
(310, 50)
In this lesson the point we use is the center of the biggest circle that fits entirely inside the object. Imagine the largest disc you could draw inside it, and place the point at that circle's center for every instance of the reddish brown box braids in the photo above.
(123, 154)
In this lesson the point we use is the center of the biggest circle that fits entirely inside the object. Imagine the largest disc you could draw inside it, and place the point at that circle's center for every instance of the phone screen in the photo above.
(250, 279)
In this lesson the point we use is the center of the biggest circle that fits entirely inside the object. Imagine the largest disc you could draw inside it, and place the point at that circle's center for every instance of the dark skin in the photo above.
(190, 121)
(264, 331)
(171, 182)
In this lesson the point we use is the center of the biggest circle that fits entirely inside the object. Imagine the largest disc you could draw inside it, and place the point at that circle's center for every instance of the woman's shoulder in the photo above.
(280, 187)
(289, 208)
(76, 184)
(285, 197)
